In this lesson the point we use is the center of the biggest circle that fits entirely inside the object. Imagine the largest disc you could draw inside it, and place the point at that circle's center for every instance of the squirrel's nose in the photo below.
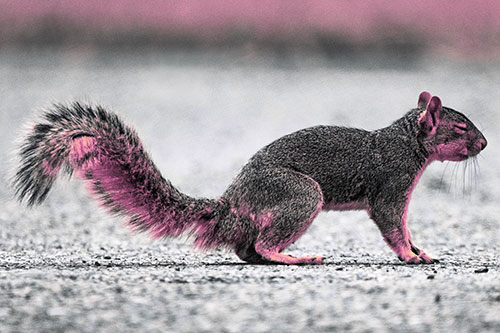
(483, 143)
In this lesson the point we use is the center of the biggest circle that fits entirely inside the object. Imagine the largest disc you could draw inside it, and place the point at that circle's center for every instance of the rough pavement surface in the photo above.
(67, 267)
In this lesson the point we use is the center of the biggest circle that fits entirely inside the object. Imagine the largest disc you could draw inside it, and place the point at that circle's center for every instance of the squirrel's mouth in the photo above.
(461, 157)
(473, 150)
(464, 154)
(470, 153)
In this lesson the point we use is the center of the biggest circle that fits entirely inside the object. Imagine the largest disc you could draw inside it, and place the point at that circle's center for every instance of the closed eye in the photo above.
(460, 128)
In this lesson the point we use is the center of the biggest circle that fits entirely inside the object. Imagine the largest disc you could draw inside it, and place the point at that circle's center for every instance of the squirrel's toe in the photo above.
(426, 259)
(318, 260)
(413, 261)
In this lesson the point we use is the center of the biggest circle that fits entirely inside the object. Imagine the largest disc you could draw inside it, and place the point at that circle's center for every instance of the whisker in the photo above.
(442, 176)
(454, 175)
(476, 172)
(464, 176)
(471, 176)
(472, 169)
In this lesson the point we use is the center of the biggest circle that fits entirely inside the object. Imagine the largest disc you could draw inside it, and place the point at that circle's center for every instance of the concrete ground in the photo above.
(67, 267)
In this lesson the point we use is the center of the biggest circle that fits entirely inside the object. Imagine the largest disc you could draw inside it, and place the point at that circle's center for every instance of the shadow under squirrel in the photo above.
(276, 195)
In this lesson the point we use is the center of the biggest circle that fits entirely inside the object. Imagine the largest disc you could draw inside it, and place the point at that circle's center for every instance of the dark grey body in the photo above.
(329, 167)
(354, 168)
(348, 164)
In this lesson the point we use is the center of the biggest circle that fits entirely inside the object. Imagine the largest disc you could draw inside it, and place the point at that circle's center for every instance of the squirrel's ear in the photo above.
(423, 99)
(429, 119)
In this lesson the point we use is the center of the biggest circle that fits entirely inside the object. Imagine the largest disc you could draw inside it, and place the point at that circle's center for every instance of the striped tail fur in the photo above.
(95, 145)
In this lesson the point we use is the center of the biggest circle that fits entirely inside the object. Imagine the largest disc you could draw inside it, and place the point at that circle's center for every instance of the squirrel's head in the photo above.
(448, 135)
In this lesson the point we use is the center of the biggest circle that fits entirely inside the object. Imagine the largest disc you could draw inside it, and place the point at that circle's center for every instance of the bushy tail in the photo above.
(95, 145)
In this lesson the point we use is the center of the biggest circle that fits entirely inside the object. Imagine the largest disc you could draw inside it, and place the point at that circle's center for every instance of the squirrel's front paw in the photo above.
(426, 259)
(413, 259)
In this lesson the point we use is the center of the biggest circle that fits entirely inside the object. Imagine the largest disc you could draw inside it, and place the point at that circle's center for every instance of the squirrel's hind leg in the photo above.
(291, 218)
(275, 206)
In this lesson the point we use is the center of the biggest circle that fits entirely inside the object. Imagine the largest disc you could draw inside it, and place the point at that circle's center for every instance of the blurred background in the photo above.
(406, 29)
(219, 67)
(209, 82)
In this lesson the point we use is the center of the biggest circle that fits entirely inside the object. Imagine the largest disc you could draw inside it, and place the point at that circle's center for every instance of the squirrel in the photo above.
(276, 195)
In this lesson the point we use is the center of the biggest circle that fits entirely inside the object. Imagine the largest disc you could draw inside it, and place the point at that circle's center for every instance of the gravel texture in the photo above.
(67, 267)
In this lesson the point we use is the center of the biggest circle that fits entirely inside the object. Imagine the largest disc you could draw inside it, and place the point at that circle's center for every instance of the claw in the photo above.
(318, 260)
(413, 260)
(310, 260)
(425, 258)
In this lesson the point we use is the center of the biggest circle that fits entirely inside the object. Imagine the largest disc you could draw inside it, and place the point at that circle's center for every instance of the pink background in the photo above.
(469, 28)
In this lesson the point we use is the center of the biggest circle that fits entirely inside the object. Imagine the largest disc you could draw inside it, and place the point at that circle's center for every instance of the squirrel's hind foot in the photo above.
(251, 256)
(281, 258)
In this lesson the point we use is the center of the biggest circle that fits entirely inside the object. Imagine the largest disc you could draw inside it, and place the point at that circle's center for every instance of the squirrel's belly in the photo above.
(353, 205)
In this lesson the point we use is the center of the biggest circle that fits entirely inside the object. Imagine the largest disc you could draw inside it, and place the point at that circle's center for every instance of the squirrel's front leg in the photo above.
(390, 217)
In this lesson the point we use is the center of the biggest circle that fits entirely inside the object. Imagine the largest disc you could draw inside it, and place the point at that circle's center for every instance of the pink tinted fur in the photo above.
(355, 205)
(113, 183)
(299, 232)
(260, 220)
(473, 31)
(399, 239)
(274, 253)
